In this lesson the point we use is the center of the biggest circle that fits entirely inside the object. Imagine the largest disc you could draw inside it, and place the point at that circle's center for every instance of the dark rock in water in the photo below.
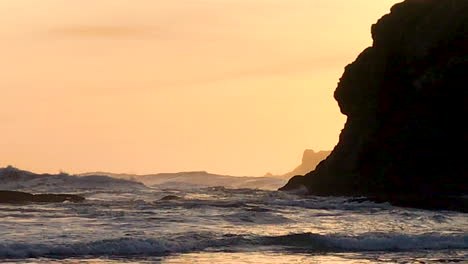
(22, 197)
(15, 197)
(405, 99)
(57, 198)
(456, 203)
(170, 198)
(358, 200)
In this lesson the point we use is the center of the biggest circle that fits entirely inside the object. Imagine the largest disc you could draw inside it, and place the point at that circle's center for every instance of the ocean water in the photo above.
(219, 225)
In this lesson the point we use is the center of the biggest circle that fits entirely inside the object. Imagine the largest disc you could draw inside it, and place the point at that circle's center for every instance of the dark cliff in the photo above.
(405, 99)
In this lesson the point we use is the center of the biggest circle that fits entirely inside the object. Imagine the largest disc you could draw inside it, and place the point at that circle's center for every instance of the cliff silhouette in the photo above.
(405, 101)
(310, 160)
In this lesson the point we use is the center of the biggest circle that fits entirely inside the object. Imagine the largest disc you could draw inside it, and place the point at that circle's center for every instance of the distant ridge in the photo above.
(198, 179)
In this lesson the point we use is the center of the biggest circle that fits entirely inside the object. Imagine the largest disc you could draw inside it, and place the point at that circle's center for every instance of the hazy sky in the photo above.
(239, 87)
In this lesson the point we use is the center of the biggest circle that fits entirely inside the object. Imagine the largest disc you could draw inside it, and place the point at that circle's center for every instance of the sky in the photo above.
(238, 87)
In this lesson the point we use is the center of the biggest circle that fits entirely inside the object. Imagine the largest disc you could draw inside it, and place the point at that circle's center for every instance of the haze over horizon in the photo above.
(138, 86)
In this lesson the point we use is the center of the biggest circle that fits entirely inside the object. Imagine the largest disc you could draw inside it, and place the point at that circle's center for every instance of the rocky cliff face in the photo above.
(405, 99)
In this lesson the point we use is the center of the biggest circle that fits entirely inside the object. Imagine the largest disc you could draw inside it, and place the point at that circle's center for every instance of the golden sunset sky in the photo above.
(237, 87)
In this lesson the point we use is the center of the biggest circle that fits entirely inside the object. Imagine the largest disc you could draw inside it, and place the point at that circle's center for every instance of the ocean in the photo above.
(220, 225)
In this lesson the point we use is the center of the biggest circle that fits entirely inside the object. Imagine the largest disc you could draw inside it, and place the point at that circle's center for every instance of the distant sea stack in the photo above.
(405, 99)
(310, 160)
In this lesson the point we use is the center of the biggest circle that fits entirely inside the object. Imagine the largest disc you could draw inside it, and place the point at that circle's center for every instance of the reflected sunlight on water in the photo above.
(224, 226)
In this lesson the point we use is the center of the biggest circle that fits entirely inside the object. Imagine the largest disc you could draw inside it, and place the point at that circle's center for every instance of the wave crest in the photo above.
(193, 242)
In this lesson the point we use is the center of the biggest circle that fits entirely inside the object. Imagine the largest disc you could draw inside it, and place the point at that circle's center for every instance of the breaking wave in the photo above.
(193, 242)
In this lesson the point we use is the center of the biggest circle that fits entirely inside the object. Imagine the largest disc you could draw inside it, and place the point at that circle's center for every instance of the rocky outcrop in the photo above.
(22, 197)
(310, 160)
(405, 99)
(171, 198)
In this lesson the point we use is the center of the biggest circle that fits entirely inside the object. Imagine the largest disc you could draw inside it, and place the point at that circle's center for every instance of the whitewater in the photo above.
(221, 225)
